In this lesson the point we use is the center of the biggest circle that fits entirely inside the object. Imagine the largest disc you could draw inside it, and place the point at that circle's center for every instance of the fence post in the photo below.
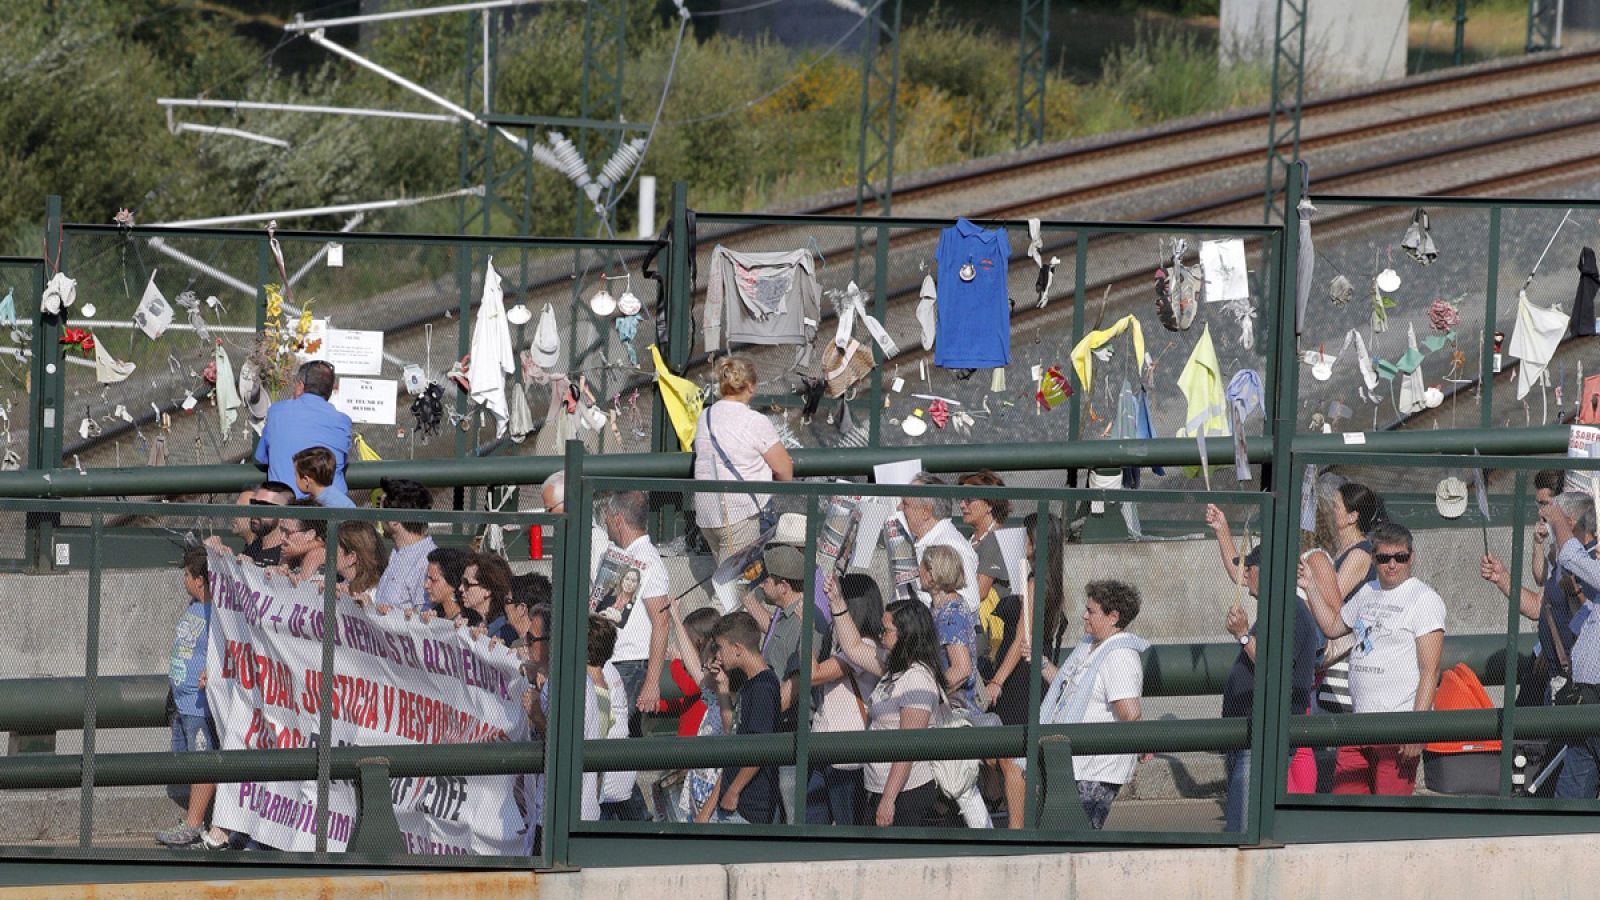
(46, 400)
(376, 831)
(1061, 809)
(1269, 739)
(568, 630)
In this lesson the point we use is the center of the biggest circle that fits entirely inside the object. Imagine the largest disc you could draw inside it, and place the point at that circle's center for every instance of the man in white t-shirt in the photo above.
(928, 520)
(1398, 623)
(641, 648)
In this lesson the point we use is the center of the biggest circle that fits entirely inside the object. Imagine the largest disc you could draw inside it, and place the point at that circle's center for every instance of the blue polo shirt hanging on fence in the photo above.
(974, 305)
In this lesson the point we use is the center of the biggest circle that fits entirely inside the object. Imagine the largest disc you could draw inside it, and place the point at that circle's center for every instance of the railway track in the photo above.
(1229, 172)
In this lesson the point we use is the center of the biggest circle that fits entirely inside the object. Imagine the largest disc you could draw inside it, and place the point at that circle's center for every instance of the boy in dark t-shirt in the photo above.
(748, 794)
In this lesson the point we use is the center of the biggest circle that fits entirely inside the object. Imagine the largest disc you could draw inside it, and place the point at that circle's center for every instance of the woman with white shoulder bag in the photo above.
(733, 442)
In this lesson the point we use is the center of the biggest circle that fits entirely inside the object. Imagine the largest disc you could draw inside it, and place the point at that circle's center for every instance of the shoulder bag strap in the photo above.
(855, 690)
(728, 463)
(1560, 648)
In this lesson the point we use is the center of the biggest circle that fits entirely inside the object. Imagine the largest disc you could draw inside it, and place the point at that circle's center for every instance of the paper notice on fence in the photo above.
(367, 401)
(395, 681)
(896, 472)
(1583, 442)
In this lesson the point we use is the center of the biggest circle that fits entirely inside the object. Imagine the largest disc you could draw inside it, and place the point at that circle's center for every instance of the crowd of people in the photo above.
(950, 647)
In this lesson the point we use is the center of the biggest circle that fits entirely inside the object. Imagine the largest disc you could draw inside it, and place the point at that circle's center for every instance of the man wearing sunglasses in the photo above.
(1398, 623)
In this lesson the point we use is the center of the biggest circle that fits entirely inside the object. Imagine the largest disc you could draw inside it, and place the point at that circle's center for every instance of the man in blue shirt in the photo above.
(306, 420)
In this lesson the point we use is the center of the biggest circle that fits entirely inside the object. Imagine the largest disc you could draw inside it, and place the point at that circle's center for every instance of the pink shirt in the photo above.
(744, 436)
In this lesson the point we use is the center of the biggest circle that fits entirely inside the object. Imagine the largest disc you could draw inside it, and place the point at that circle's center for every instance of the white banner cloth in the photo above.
(395, 681)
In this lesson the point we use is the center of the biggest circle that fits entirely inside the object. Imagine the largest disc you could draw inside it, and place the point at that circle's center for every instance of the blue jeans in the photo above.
(1235, 808)
(190, 733)
(723, 817)
(1096, 797)
(834, 796)
(629, 810)
(632, 674)
(1580, 773)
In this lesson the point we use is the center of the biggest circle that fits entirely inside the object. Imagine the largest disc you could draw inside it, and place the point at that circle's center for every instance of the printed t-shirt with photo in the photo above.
(1386, 625)
(633, 641)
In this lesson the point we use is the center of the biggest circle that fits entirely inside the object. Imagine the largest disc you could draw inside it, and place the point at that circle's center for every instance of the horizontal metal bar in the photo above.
(515, 121)
(895, 746)
(1484, 203)
(313, 211)
(85, 229)
(1089, 229)
(1452, 725)
(68, 482)
(225, 766)
(203, 103)
(1543, 439)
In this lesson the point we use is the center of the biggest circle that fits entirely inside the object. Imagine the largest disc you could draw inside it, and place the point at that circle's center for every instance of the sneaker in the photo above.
(180, 835)
(211, 843)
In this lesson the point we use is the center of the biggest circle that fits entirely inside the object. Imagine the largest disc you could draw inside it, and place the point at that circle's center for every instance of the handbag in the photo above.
(956, 776)
(843, 367)
(768, 515)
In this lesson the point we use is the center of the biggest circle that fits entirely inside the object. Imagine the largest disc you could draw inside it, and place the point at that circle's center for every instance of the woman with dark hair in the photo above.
(836, 794)
(495, 573)
(442, 581)
(1101, 681)
(1008, 681)
(484, 588)
(907, 666)
(985, 516)
(1342, 564)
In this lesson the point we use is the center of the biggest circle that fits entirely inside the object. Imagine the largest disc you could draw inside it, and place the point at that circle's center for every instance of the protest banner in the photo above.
(395, 681)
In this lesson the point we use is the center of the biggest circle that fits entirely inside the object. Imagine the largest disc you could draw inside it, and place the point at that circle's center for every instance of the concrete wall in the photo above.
(1349, 42)
(1543, 867)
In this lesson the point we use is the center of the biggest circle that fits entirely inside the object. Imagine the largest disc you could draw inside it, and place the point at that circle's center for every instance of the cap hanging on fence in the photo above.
(154, 313)
(1450, 497)
(59, 294)
(1418, 241)
(546, 345)
(252, 392)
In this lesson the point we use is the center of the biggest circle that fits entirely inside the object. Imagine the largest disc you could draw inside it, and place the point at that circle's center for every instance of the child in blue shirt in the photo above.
(748, 794)
(192, 728)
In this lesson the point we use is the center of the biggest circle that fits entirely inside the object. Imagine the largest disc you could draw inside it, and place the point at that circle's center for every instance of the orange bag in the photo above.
(1461, 689)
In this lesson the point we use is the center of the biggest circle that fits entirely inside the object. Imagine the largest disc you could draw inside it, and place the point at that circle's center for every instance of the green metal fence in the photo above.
(1402, 454)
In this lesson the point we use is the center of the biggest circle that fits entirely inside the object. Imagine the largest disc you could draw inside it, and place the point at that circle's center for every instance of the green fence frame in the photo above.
(46, 492)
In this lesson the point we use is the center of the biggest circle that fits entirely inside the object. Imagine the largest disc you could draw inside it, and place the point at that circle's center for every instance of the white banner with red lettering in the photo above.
(395, 681)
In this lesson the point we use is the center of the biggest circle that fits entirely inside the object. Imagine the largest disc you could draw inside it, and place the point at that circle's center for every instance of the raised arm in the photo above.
(845, 632)
(1318, 580)
(1495, 572)
(1218, 523)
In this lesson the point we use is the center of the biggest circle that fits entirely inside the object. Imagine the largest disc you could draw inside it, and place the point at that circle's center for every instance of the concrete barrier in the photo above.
(1546, 866)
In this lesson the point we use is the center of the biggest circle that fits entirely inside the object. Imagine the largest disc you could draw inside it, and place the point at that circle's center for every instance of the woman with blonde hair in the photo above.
(733, 442)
